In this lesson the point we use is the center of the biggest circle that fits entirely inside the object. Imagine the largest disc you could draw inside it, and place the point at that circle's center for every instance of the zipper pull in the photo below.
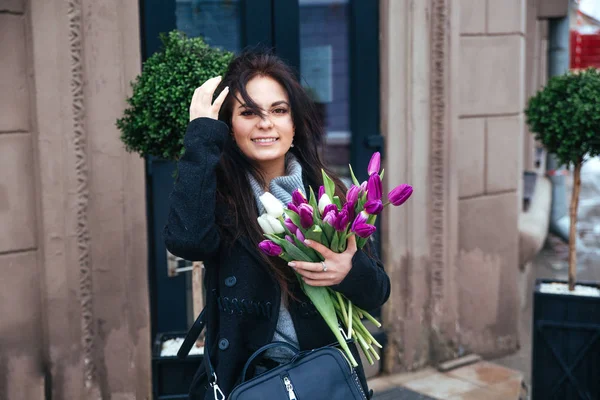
(290, 388)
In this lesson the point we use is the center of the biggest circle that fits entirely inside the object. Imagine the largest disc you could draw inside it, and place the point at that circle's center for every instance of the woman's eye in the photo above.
(280, 111)
(247, 113)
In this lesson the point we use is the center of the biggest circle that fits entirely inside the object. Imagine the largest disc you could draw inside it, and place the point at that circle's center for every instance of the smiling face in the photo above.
(264, 139)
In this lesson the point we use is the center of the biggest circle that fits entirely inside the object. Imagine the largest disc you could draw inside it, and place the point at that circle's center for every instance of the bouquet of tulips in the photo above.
(326, 220)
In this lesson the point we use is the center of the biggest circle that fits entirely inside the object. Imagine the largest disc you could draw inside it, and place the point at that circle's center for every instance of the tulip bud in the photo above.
(299, 235)
(330, 207)
(273, 207)
(298, 197)
(400, 194)
(306, 215)
(352, 194)
(374, 187)
(323, 202)
(360, 219)
(364, 230)
(374, 164)
(373, 207)
(270, 248)
(342, 220)
(290, 225)
(349, 207)
(330, 217)
(289, 239)
(292, 207)
(321, 191)
(265, 225)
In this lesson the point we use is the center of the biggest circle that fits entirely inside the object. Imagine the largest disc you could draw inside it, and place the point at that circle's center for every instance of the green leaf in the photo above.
(291, 250)
(336, 200)
(354, 180)
(312, 200)
(294, 217)
(328, 184)
(321, 298)
(335, 242)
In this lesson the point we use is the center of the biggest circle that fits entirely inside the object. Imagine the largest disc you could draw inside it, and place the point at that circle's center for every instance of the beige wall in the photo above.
(489, 167)
(73, 258)
(21, 324)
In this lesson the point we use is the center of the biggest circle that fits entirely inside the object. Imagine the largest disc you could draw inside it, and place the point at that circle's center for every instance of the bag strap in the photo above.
(192, 335)
(259, 352)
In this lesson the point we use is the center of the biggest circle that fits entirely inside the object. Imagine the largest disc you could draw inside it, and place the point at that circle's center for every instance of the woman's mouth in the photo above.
(265, 140)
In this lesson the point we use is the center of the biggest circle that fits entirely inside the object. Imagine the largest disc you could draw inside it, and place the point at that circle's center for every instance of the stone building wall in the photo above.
(489, 167)
(74, 303)
(21, 322)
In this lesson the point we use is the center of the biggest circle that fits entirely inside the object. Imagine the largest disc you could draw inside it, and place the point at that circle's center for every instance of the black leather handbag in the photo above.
(319, 374)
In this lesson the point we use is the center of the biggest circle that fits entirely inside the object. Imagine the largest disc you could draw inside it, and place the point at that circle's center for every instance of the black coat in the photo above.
(243, 298)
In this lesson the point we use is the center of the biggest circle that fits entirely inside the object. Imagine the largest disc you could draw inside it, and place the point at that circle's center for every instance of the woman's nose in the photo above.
(265, 123)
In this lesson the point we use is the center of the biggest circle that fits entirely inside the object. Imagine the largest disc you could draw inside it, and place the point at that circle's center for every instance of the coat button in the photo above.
(223, 344)
(230, 281)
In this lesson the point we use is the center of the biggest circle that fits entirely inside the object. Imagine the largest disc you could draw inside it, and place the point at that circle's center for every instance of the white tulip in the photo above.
(270, 225)
(273, 206)
(265, 225)
(324, 201)
(276, 225)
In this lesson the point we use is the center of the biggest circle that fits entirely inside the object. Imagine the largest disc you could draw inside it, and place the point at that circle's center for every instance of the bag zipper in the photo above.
(354, 375)
(290, 388)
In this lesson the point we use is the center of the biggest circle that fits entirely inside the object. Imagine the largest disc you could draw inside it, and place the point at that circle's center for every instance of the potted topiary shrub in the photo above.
(153, 125)
(565, 117)
(155, 121)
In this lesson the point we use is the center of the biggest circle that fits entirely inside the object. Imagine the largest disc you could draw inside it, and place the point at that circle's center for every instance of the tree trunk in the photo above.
(573, 228)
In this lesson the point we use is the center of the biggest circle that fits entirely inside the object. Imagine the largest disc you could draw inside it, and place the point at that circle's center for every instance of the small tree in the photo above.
(155, 121)
(565, 117)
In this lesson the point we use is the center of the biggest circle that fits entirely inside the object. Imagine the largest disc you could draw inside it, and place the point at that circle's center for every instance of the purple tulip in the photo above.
(299, 235)
(374, 187)
(289, 239)
(306, 215)
(292, 207)
(290, 225)
(349, 207)
(342, 220)
(374, 164)
(330, 207)
(400, 194)
(321, 192)
(373, 207)
(330, 217)
(352, 195)
(364, 230)
(298, 198)
(270, 248)
(360, 219)
(363, 187)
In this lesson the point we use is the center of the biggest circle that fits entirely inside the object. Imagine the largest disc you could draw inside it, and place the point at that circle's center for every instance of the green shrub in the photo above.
(158, 113)
(565, 116)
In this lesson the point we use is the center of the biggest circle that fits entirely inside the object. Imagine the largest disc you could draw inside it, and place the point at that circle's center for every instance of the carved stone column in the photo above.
(91, 201)
(418, 65)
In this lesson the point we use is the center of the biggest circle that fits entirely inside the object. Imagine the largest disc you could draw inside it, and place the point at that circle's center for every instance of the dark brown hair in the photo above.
(233, 187)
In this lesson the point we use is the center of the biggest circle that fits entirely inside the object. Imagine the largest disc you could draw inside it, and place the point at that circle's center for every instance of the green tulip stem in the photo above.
(343, 307)
(370, 318)
(350, 320)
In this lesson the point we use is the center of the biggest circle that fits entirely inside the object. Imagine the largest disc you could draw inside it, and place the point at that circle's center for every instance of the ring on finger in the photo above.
(324, 266)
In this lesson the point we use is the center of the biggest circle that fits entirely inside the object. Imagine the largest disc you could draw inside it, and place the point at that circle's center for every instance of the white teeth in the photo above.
(266, 140)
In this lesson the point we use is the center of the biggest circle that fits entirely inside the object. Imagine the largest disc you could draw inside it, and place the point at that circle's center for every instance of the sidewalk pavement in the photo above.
(479, 381)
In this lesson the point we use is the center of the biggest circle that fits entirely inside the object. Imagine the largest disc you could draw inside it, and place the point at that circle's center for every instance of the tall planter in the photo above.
(565, 117)
(566, 345)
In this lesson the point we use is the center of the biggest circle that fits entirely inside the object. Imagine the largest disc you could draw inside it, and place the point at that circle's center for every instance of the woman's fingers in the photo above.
(219, 101)
(325, 252)
(351, 246)
(201, 104)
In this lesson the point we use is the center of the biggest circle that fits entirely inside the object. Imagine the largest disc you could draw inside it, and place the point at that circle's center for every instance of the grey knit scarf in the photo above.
(281, 187)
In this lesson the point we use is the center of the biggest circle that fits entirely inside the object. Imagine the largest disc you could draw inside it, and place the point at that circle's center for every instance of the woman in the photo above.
(260, 134)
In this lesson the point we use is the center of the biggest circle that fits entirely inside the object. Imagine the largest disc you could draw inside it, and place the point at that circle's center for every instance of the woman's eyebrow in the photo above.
(280, 102)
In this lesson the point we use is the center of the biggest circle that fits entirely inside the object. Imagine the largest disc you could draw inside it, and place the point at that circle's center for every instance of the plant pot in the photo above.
(566, 345)
(171, 375)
